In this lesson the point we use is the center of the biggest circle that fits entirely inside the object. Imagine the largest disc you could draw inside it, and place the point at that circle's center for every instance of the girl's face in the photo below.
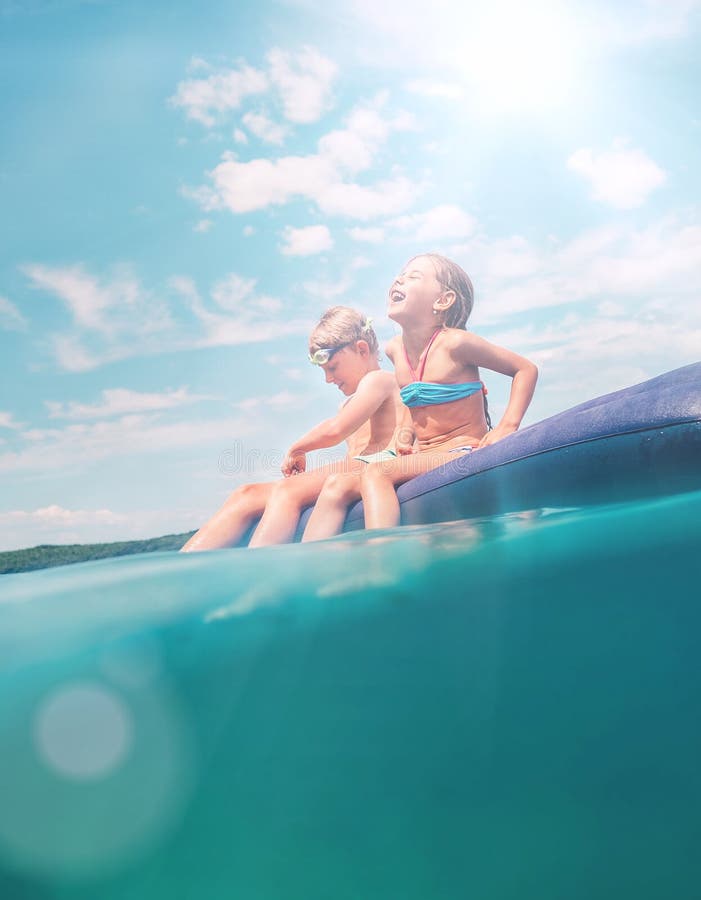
(414, 291)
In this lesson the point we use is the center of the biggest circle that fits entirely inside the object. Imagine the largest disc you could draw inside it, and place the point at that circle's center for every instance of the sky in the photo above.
(186, 187)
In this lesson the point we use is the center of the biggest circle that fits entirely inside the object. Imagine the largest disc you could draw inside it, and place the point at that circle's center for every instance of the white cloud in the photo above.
(248, 317)
(639, 22)
(358, 202)
(10, 317)
(114, 319)
(7, 420)
(621, 177)
(203, 226)
(56, 524)
(260, 183)
(264, 128)
(240, 136)
(75, 446)
(367, 128)
(424, 87)
(328, 291)
(304, 81)
(332, 291)
(55, 513)
(281, 401)
(204, 99)
(121, 401)
(444, 222)
(457, 27)
(244, 187)
(371, 235)
(306, 241)
(197, 64)
(109, 307)
(301, 82)
(584, 356)
(232, 291)
(607, 264)
(86, 299)
(73, 356)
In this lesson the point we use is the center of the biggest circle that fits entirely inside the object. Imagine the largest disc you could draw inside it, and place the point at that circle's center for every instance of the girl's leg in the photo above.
(284, 507)
(329, 512)
(232, 521)
(380, 501)
(379, 481)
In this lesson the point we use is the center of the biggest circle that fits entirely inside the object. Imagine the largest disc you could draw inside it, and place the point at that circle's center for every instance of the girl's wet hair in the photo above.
(454, 278)
(342, 325)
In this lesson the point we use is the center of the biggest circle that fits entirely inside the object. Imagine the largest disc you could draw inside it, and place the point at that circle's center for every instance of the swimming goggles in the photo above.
(321, 356)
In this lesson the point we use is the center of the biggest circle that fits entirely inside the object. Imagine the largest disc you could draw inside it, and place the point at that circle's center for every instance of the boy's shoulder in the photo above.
(378, 379)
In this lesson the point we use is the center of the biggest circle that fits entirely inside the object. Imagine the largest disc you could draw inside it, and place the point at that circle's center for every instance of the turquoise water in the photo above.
(502, 708)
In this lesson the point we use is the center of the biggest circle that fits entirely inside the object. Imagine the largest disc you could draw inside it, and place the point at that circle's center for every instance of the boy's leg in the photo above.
(329, 513)
(230, 523)
(286, 502)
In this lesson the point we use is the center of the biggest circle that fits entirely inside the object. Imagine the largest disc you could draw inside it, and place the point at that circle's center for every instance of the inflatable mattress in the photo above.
(642, 441)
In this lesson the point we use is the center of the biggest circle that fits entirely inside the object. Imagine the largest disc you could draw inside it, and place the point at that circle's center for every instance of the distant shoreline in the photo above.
(47, 556)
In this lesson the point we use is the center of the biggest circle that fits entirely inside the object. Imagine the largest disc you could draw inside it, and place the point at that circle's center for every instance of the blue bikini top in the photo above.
(429, 393)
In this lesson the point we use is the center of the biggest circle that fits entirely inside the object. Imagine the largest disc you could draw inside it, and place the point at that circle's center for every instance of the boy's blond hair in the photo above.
(342, 325)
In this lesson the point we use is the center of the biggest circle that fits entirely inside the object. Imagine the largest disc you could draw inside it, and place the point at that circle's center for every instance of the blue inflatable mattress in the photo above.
(643, 441)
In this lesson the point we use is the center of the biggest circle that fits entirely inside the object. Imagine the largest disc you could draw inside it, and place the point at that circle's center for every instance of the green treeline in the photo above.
(48, 555)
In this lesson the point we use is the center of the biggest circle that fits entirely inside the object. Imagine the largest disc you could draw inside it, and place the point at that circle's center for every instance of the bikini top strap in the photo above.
(424, 354)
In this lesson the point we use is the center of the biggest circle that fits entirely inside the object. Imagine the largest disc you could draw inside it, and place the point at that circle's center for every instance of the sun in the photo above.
(519, 56)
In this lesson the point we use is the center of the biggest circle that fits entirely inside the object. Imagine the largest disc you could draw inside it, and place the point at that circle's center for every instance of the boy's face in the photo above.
(345, 369)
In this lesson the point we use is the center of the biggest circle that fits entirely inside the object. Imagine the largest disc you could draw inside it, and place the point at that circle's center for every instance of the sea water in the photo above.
(499, 708)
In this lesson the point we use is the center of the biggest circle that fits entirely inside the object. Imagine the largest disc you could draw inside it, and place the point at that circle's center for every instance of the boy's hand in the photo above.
(405, 442)
(294, 463)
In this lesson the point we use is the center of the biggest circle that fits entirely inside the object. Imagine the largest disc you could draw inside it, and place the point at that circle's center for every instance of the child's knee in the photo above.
(286, 491)
(339, 488)
(245, 491)
(246, 497)
(372, 474)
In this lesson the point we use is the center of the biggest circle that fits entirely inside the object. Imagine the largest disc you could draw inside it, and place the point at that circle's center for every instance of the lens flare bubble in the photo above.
(83, 731)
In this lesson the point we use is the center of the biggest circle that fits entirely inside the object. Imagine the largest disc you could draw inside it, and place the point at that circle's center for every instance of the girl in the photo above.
(437, 366)
(345, 346)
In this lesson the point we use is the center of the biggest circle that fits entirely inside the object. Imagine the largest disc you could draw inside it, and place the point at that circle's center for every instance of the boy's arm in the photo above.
(473, 350)
(373, 389)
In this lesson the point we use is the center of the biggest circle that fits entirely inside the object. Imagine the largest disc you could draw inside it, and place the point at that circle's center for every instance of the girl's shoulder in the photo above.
(392, 345)
(453, 338)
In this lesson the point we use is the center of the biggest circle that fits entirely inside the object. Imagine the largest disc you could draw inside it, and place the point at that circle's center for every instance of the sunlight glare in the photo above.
(520, 56)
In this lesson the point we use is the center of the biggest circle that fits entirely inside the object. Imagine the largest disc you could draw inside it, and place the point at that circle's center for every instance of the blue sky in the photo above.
(185, 188)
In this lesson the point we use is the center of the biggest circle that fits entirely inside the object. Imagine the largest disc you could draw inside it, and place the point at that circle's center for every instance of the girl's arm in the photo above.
(474, 350)
(372, 391)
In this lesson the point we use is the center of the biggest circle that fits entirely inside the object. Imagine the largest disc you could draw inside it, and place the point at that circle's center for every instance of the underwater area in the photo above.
(502, 707)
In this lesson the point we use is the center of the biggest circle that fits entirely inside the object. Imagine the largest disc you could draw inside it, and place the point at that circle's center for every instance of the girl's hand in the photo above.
(496, 434)
(294, 463)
